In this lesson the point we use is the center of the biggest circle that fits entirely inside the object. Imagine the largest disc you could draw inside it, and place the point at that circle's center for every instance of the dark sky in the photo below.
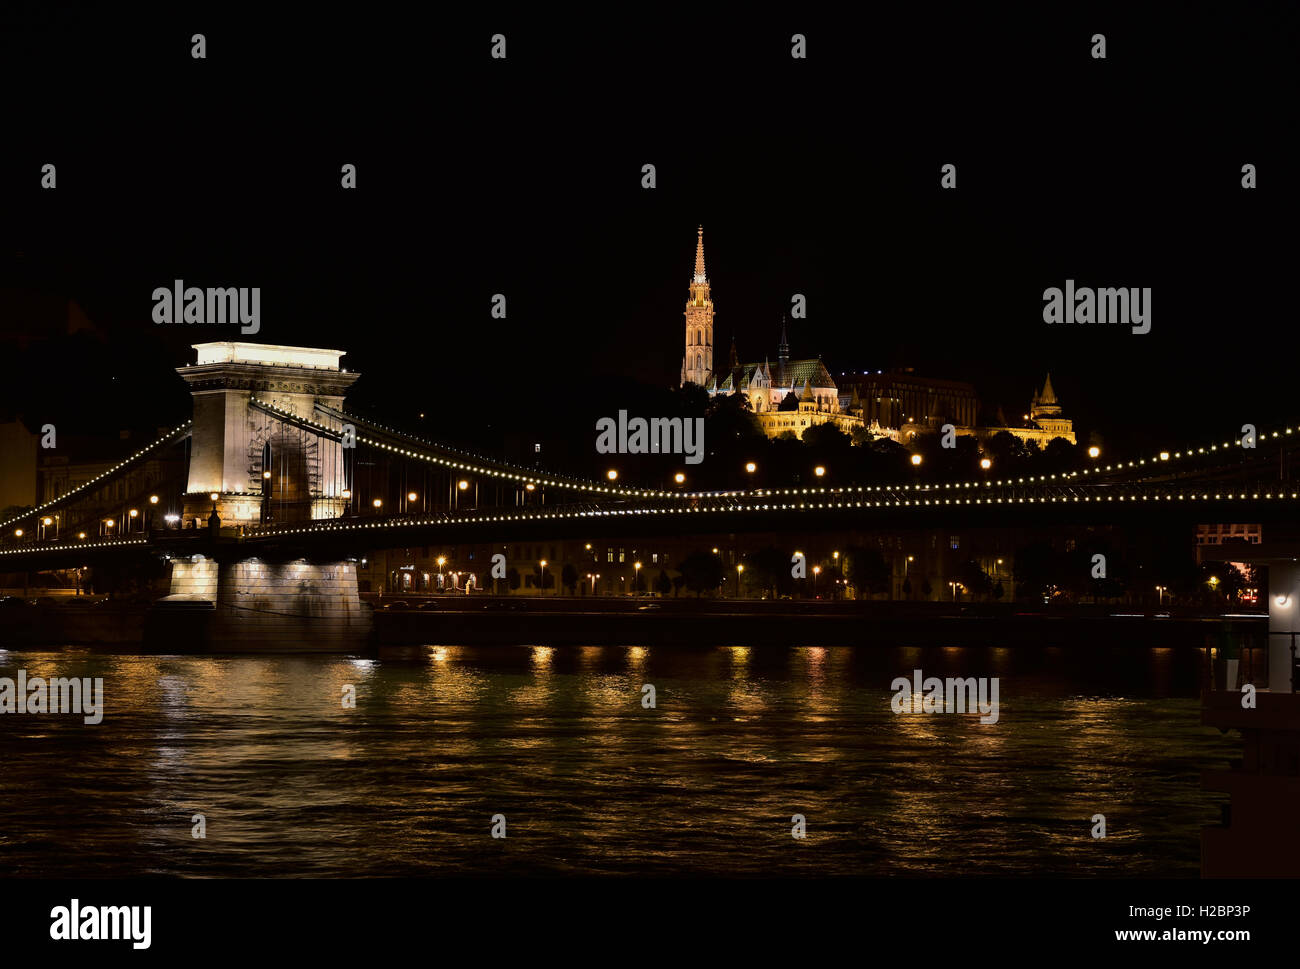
(819, 177)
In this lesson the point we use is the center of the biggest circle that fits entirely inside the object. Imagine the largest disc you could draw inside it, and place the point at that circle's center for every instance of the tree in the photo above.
(768, 567)
(1037, 569)
(569, 576)
(663, 584)
(512, 578)
(790, 402)
(679, 580)
(974, 578)
(866, 569)
(543, 578)
(702, 572)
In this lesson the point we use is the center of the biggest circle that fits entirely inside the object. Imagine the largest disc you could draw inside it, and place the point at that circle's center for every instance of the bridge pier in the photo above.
(264, 605)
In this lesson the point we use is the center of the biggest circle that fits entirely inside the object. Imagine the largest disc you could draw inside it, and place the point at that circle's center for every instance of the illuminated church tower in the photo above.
(698, 362)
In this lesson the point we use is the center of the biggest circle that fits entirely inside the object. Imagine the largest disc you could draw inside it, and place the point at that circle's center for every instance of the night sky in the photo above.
(819, 177)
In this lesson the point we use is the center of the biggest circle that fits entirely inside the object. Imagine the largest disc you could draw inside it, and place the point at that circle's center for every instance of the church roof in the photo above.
(791, 373)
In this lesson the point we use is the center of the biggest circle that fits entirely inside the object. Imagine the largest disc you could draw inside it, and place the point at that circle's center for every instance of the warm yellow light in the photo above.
(462, 484)
(543, 563)
(835, 555)
(636, 565)
(751, 467)
(134, 513)
(611, 474)
(411, 496)
(153, 499)
(911, 558)
(715, 551)
(442, 560)
(740, 567)
(18, 533)
(819, 471)
(986, 463)
(346, 493)
(679, 477)
(1094, 452)
(817, 570)
(1164, 455)
(266, 475)
(81, 535)
(530, 486)
(214, 496)
(47, 521)
(108, 523)
(916, 459)
(378, 503)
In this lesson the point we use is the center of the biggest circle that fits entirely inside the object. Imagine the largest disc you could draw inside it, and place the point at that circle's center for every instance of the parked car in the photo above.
(397, 605)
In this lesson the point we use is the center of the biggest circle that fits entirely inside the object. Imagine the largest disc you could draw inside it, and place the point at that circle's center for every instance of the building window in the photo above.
(609, 555)
(621, 557)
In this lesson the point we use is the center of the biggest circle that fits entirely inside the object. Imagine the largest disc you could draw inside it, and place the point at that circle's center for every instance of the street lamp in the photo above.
(636, 580)
(817, 570)
(751, 467)
(916, 460)
(378, 503)
(1094, 452)
(740, 570)
(1160, 595)
(542, 584)
(611, 474)
(411, 496)
(986, 463)
(679, 478)
(819, 471)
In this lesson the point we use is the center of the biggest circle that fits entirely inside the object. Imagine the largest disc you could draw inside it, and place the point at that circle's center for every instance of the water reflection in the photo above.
(293, 782)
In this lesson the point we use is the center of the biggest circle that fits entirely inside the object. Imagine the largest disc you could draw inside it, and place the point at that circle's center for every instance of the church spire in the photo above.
(783, 350)
(697, 363)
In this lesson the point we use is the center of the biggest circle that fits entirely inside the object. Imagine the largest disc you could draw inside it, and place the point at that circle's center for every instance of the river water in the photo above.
(293, 783)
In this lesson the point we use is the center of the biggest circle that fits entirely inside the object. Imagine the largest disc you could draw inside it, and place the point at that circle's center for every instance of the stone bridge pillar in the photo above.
(262, 468)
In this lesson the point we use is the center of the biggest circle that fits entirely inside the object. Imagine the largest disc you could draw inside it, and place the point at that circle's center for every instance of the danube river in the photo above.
(291, 782)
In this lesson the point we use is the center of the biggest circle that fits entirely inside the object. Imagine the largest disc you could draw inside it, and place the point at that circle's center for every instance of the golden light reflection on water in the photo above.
(448, 734)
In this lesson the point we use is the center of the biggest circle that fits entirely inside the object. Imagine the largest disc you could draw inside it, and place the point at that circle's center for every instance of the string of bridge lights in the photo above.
(530, 481)
(113, 470)
(79, 547)
(450, 518)
(576, 484)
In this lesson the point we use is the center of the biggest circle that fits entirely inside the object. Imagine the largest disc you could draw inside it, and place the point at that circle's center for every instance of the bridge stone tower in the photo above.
(698, 362)
(235, 445)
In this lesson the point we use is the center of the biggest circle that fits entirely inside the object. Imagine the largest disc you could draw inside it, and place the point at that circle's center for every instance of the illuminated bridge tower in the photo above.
(260, 466)
(698, 362)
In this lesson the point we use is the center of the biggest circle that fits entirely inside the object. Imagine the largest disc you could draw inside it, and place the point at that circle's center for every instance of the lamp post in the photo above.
(541, 586)
(636, 578)
(740, 570)
(817, 570)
